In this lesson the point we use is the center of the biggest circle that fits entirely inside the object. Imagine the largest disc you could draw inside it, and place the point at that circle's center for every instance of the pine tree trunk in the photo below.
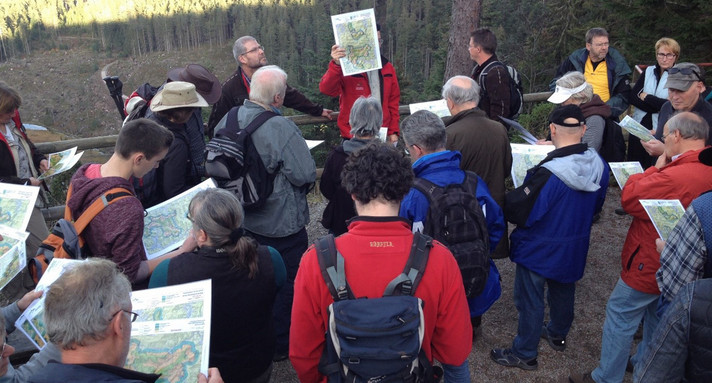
(465, 18)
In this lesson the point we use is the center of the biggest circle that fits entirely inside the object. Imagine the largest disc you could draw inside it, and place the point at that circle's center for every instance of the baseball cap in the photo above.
(682, 76)
(563, 112)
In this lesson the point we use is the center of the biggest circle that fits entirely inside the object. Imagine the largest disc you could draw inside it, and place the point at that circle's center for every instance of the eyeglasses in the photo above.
(686, 72)
(187, 215)
(601, 45)
(668, 56)
(2, 353)
(664, 136)
(131, 313)
(258, 48)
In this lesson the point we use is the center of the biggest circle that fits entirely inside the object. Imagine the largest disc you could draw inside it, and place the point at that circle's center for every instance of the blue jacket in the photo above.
(553, 211)
(443, 168)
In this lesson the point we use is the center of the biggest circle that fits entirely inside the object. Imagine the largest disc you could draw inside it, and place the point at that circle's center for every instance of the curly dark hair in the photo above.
(377, 170)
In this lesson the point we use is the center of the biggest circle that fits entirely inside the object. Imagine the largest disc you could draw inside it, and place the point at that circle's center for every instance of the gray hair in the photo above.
(595, 32)
(267, 82)
(366, 117)
(690, 125)
(80, 305)
(459, 94)
(573, 80)
(424, 129)
(238, 48)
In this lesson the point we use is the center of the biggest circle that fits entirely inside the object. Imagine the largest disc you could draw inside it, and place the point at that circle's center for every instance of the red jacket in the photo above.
(350, 88)
(684, 179)
(375, 251)
(8, 172)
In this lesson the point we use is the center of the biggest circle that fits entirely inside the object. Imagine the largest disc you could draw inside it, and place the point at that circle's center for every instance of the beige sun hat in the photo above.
(177, 94)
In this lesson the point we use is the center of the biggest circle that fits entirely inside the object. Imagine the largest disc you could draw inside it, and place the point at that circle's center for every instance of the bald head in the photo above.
(461, 93)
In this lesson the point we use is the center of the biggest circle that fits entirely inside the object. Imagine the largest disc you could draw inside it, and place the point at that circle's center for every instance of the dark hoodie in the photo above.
(116, 232)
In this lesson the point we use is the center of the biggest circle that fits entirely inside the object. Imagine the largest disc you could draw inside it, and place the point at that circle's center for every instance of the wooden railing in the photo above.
(56, 212)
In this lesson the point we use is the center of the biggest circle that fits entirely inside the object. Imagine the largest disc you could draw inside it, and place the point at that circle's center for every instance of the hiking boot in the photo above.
(557, 343)
(620, 211)
(581, 378)
(505, 357)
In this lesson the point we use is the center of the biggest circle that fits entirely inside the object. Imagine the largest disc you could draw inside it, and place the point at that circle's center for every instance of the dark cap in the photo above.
(683, 75)
(205, 82)
(562, 112)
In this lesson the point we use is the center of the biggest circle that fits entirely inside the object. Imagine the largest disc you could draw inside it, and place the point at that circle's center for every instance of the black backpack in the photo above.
(233, 161)
(516, 100)
(145, 92)
(375, 340)
(613, 143)
(455, 218)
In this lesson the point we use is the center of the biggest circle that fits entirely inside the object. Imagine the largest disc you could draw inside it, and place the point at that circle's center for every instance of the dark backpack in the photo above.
(145, 92)
(455, 218)
(613, 144)
(516, 90)
(65, 240)
(233, 161)
(375, 340)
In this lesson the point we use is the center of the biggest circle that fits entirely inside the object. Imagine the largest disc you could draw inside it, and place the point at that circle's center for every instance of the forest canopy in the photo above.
(534, 36)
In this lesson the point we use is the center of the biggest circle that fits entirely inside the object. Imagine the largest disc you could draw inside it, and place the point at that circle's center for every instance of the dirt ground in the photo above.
(499, 324)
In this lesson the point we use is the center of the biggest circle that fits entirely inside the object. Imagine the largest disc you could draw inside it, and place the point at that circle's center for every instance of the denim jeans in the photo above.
(456, 374)
(529, 300)
(664, 358)
(626, 307)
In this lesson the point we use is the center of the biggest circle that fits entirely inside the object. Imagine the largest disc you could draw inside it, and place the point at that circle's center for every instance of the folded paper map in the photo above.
(356, 33)
(635, 128)
(61, 161)
(439, 107)
(623, 170)
(665, 213)
(525, 157)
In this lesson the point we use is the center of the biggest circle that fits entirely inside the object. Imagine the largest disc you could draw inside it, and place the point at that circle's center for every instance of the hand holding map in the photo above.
(355, 32)
(525, 157)
(61, 161)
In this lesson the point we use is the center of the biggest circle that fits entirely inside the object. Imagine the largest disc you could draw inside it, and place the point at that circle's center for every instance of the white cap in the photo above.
(562, 94)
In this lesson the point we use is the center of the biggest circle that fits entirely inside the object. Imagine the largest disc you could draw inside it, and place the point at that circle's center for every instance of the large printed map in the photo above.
(166, 226)
(356, 33)
(665, 213)
(172, 333)
(525, 157)
(623, 170)
(16, 204)
(12, 254)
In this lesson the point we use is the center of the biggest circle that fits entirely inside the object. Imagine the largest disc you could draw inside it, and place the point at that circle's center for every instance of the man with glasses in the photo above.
(88, 316)
(604, 68)
(250, 56)
(677, 174)
(685, 85)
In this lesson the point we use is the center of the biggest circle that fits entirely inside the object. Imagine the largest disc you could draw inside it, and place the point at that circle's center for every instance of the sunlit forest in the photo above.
(534, 35)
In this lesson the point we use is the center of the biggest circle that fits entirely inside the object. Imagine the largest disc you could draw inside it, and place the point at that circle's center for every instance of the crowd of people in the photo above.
(271, 297)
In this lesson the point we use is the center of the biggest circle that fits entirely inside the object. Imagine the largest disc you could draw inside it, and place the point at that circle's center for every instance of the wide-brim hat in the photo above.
(683, 81)
(177, 94)
(205, 82)
(562, 94)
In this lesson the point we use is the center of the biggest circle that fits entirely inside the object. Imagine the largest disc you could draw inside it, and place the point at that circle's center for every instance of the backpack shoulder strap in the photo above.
(703, 209)
(259, 120)
(470, 182)
(332, 266)
(106, 199)
(426, 187)
(407, 282)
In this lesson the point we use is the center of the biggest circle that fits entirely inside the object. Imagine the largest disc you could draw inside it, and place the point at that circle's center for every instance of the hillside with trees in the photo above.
(147, 37)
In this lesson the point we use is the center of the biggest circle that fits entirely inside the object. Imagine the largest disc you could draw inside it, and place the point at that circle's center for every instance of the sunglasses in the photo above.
(686, 72)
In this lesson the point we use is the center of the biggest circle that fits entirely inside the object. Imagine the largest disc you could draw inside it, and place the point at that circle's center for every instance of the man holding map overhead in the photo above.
(381, 84)
(678, 174)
